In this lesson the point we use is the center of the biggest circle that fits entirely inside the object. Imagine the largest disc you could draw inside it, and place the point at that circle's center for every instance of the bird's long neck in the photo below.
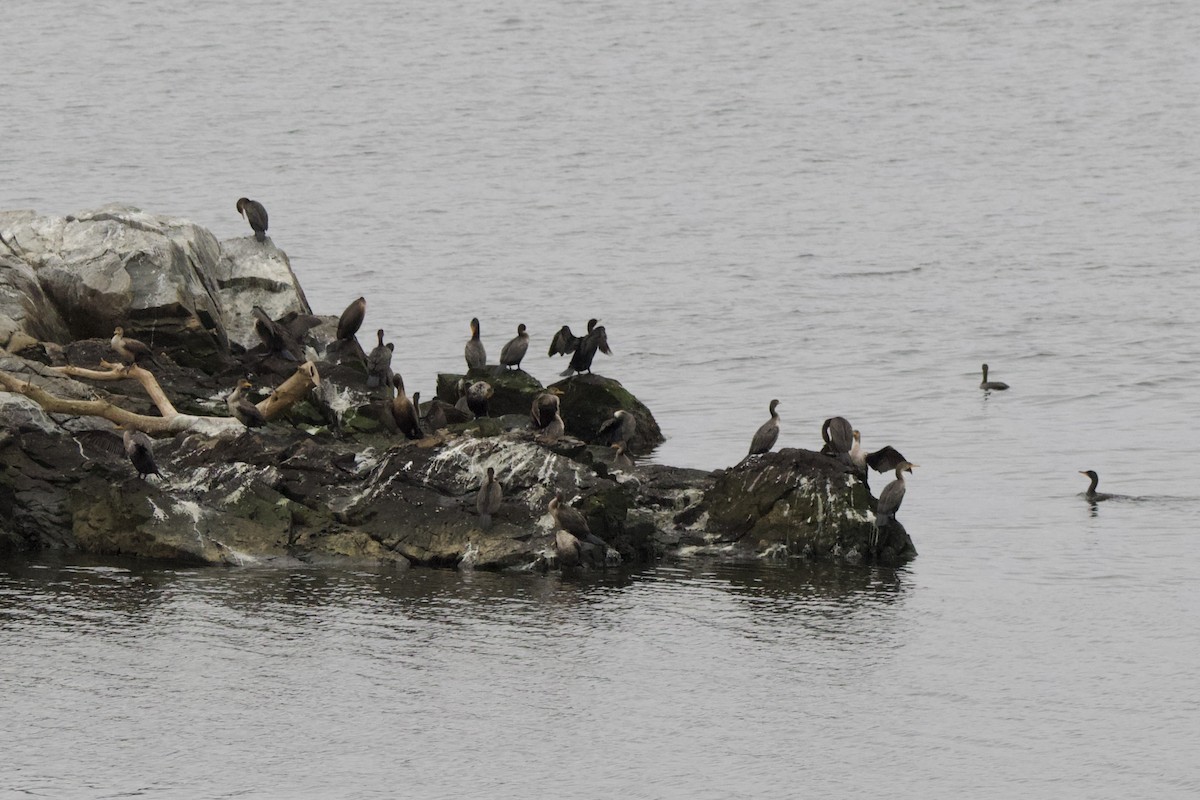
(984, 373)
(1095, 482)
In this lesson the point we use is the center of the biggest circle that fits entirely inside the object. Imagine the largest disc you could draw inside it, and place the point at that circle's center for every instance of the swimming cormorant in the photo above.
(131, 351)
(351, 319)
(767, 433)
(617, 429)
(1091, 494)
(404, 412)
(140, 450)
(512, 352)
(242, 409)
(379, 363)
(487, 502)
(256, 215)
(475, 354)
(999, 386)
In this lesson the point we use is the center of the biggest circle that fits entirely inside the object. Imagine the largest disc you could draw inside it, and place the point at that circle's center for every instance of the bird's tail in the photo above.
(566, 373)
(485, 521)
(260, 236)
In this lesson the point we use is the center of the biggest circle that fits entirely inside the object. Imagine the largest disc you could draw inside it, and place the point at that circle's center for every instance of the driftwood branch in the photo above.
(289, 392)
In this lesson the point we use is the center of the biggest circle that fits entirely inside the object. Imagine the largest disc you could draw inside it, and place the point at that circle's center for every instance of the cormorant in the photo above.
(566, 519)
(487, 502)
(130, 350)
(1091, 494)
(273, 335)
(544, 408)
(256, 215)
(884, 459)
(838, 435)
(617, 429)
(404, 412)
(567, 342)
(440, 414)
(621, 459)
(379, 363)
(242, 409)
(140, 450)
(999, 386)
(351, 319)
(475, 354)
(478, 394)
(581, 359)
(512, 352)
(767, 433)
(889, 502)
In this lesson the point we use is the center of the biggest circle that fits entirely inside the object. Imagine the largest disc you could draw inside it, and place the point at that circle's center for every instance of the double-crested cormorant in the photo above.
(140, 450)
(617, 429)
(487, 502)
(581, 359)
(379, 363)
(767, 433)
(514, 350)
(1091, 494)
(256, 215)
(351, 319)
(474, 353)
(242, 409)
(838, 435)
(545, 417)
(130, 350)
(404, 412)
(567, 342)
(998, 386)
(478, 394)
(621, 459)
(588, 546)
(274, 336)
(884, 459)
(889, 502)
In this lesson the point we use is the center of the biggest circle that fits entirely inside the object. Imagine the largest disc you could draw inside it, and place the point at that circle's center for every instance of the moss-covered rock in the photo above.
(513, 390)
(588, 401)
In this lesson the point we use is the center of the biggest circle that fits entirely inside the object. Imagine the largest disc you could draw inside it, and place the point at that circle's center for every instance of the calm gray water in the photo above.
(847, 207)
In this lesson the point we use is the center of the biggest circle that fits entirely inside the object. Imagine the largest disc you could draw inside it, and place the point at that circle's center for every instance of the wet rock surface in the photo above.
(330, 480)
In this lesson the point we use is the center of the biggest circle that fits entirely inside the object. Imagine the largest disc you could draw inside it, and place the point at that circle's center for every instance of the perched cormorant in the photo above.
(256, 215)
(478, 394)
(242, 409)
(379, 363)
(351, 319)
(590, 546)
(621, 459)
(273, 335)
(889, 502)
(838, 435)
(475, 354)
(567, 342)
(617, 429)
(514, 350)
(581, 359)
(884, 459)
(404, 412)
(140, 450)
(1091, 494)
(544, 408)
(131, 351)
(999, 386)
(767, 433)
(487, 502)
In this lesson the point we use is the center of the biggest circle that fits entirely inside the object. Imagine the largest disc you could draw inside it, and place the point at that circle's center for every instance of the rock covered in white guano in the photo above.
(166, 280)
